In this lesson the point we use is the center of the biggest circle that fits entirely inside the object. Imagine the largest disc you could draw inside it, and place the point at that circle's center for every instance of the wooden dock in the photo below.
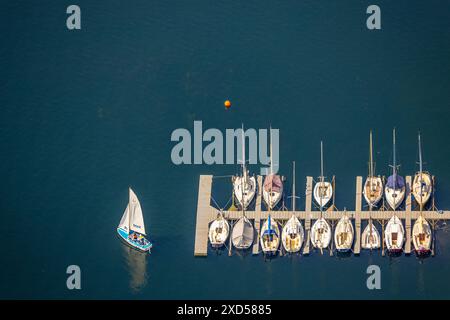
(207, 213)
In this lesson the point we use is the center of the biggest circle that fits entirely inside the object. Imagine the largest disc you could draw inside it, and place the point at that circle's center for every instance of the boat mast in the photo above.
(371, 171)
(394, 172)
(420, 156)
(321, 162)
(293, 186)
(129, 209)
(271, 172)
(244, 170)
(420, 173)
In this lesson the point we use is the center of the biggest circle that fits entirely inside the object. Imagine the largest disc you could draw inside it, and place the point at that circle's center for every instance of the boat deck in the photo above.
(207, 213)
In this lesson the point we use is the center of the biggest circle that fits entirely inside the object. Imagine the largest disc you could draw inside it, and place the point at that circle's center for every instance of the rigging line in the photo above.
(220, 177)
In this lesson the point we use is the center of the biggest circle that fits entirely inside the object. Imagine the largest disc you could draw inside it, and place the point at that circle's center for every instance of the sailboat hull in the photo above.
(422, 235)
(270, 246)
(323, 192)
(343, 235)
(218, 232)
(272, 198)
(373, 190)
(422, 188)
(320, 234)
(144, 246)
(394, 197)
(244, 192)
(292, 235)
(370, 238)
(394, 235)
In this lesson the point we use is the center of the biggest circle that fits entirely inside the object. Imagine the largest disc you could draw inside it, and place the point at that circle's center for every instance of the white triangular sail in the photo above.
(136, 217)
(125, 221)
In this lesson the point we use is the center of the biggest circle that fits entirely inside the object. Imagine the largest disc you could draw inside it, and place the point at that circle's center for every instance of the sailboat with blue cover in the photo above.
(270, 239)
(131, 228)
(395, 186)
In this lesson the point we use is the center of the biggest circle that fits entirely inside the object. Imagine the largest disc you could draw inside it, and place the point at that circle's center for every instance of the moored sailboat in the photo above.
(131, 227)
(244, 186)
(323, 190)
(243, 232)
(218, 231)
(370, 238)
(273, 184)
(394, 235)
(395, 186)
(321, 234)
(422, 185)
(293, 233)
(270, 236)
(373, 187)
(343, 234)
(422, 236)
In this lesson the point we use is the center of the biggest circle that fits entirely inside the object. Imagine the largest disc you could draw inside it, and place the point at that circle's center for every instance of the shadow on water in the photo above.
(136, 263)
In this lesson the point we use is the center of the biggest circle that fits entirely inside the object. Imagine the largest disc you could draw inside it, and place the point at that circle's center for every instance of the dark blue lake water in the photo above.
(87, 113)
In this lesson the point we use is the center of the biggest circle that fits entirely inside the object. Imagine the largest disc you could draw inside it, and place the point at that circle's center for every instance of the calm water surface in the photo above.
(87, 113)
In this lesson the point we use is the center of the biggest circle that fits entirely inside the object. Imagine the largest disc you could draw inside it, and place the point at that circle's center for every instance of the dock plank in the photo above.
(204, 215)
(257, 217)
(307, 214)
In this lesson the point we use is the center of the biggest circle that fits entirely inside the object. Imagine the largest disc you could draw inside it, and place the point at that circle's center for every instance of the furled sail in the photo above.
(136, 217)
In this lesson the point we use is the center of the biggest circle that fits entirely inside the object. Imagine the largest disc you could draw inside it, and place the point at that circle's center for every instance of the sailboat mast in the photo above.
(293, 186)
(395, 165)
(321, 162)
(420, 156)
(271, 165)
(129, 209)
(371, 173)
(244, 171)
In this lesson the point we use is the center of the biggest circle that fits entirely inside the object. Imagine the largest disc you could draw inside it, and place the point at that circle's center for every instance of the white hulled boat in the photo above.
(244, 186)
(395, 186)
(293, 233)
(373, 187)
(270, 236)
(323, 190)
(243, 232)
(131, 227)
(422, 236)
(343, 234)
(422, 185)
(370, 238)
(321, 234)
(394, 235)
(218, 231)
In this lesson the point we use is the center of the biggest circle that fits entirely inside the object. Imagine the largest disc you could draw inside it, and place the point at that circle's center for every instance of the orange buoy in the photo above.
(227, 104)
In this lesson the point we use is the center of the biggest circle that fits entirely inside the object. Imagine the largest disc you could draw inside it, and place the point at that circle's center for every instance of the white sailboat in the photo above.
(422, 236)
(218, 231)
(373, 187)
(323, 190)
(244, 186)
(394, 235)
(270, 236)
(293, 233)
(243, 232)
(395, 186)
(370, 238)
(273, 184)
(321, 234)
(131, 227)
(422, 186)
(343, 234)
